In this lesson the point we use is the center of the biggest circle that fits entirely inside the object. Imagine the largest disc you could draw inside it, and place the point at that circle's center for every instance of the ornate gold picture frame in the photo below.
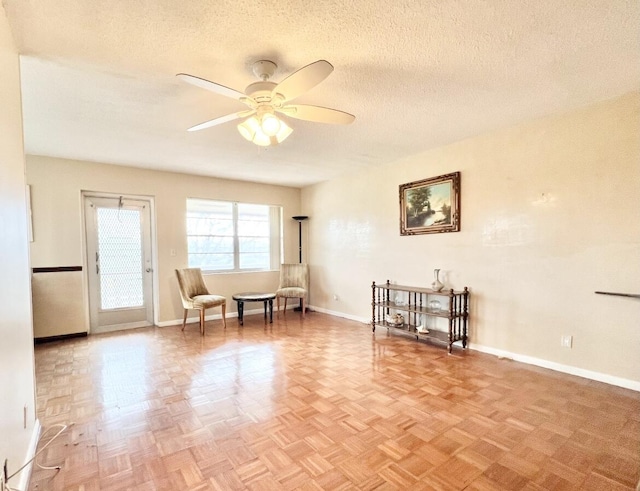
(431, 205)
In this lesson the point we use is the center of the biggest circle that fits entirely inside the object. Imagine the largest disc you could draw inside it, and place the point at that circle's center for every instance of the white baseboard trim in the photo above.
(25, 474)
(339, 314)
(211, 317)
(120, 327)
(559, 367)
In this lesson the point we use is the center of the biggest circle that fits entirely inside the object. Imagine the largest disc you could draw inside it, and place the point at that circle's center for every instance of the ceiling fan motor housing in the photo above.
(260, 91)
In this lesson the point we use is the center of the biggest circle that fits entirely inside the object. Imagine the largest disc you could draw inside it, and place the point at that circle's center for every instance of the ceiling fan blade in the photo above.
(317, 114)
(212, 86)
(221, 119)
(303, 80)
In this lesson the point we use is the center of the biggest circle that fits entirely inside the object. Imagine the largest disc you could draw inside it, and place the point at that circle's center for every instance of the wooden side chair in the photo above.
(195, 295)
(294, 283)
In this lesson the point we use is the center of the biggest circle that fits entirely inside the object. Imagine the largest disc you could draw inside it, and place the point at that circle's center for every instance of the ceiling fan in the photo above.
(261, 124)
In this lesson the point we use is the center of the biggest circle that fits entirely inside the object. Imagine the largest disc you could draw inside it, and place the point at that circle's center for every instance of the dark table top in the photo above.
(253, 296)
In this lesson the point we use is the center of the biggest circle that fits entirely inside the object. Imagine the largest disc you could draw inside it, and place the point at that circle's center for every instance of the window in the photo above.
(226, 236)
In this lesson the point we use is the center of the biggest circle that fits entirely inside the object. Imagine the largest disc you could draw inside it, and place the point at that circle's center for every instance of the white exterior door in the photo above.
(119, 262)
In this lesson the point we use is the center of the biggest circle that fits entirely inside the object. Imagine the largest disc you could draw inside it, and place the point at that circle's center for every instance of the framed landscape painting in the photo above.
(431, 205)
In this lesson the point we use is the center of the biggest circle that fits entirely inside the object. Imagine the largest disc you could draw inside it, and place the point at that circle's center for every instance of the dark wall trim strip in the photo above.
(58, 269)
(630, 295)
(51, 339)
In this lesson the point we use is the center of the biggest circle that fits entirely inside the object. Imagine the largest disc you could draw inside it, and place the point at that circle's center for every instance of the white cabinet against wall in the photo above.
(415, 311)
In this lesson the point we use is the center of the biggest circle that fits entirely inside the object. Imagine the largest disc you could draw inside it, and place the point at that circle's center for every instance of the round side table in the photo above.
(241, 298)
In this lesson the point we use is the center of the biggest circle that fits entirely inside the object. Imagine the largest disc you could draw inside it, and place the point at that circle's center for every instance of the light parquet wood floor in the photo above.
(320, 404)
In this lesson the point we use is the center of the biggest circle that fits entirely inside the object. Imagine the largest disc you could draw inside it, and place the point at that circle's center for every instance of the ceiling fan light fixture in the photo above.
(251, 129)
(270, 124)
(284, 131)
(248, 128)
(262, 140)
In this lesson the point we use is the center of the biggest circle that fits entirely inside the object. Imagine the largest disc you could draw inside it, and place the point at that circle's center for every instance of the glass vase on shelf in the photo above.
(434, 305)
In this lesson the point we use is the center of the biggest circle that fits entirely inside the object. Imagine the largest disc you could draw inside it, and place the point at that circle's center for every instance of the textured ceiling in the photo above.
(99, 76)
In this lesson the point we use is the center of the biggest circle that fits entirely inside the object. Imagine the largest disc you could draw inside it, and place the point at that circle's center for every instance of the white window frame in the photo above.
(276, 239)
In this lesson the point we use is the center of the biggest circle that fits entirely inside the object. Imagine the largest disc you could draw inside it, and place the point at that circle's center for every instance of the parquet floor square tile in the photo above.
(320, 404)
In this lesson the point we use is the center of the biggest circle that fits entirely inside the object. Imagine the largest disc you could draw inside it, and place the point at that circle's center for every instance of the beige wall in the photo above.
(56, 187)
(550, 214)
(16, 337)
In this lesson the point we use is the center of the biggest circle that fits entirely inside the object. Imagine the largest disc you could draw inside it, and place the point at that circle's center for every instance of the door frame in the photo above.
(155, 298)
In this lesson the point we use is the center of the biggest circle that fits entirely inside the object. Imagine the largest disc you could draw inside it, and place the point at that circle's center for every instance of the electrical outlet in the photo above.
(566, 341)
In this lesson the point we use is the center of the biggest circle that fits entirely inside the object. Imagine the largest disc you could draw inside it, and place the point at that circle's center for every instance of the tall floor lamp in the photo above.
(299, 219)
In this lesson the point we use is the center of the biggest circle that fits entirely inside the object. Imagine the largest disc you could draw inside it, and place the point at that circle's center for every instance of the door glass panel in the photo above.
(120, 254)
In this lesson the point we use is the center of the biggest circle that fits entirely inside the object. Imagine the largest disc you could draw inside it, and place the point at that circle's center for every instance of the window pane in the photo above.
(211, 262)
(254, 261)
(209, 208)
(200, 244)
(210, 226)
(120, 253)
(253, 220)
(254, 244)
(252, 227)
(215, 227)
(253, 212)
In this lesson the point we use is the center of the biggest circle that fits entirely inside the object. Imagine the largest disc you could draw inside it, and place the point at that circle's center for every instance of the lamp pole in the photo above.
(299, 219)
